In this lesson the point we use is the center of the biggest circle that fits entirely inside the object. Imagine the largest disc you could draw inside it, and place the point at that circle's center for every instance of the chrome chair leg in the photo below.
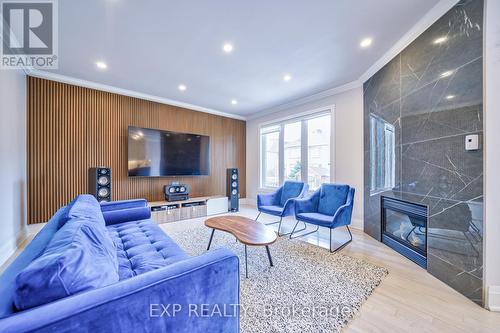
(257, 216)
(304, 234)
(271, 223)
(343, 245)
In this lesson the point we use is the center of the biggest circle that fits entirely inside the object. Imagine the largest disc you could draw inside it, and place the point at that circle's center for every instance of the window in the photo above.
(318, 150)
(292, 150)
(298, 149)
(270, 156)
(382, 155)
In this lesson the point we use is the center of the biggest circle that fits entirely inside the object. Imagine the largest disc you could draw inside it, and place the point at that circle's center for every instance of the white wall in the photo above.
(347, 152)
(492, 155)
(12, 161)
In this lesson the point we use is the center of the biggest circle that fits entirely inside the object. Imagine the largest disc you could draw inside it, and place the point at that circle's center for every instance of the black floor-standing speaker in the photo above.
(100, 183)
(233, 189)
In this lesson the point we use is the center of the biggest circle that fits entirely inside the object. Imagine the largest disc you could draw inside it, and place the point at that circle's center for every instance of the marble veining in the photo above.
(418, 110)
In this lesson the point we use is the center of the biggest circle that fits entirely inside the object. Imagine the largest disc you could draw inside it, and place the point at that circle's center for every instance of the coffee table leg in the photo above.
(210, 241)
(269, 256)
(246, 262)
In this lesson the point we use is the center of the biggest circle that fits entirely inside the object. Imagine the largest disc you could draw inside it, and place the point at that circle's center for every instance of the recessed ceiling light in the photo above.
(450, 97)
(228, 48)
(366, 42)
(287, 77)
(440, 40)
(234, 102)
(446, 74)
(182, 87)
(101, 65)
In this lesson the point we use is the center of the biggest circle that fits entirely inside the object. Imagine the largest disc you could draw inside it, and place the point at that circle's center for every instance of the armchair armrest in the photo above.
(268, 199)
(308, 204)
(192, 288)
(343, 214)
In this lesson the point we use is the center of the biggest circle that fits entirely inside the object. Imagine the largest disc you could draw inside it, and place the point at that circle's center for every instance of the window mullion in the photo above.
(282, 154)
(304, 152)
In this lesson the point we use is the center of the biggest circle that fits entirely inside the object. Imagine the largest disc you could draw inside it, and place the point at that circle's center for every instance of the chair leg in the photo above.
(271, 223)
(257, 216)
(304, 234)
(343, 245)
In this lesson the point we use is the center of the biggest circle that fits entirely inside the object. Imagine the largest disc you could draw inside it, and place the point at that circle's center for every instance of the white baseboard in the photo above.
(248, 202)
(493, 298)
(10, 247)
(357, 224)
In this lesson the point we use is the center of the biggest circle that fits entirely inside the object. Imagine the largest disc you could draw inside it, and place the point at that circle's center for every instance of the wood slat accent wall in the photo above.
(72, 128)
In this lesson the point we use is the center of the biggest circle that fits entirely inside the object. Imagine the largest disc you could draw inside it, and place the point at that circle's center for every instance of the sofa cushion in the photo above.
(142, 247)
(273, 210)
(291, 189)
(316, 218)
(80, 256)
(83, 206)
(331, 197)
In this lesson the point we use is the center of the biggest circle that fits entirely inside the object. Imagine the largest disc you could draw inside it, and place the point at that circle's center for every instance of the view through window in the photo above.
(297, 149)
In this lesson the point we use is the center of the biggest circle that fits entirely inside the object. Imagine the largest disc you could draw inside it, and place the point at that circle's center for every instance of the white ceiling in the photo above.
(152, 46)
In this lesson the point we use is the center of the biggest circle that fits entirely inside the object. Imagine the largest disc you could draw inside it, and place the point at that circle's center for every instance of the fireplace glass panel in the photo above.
(407, 229)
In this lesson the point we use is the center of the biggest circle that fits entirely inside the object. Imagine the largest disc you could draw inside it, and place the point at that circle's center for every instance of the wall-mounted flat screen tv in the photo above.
(156, 153)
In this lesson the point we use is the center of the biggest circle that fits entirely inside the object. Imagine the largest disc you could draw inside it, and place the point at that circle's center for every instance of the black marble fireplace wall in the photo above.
(418, 110)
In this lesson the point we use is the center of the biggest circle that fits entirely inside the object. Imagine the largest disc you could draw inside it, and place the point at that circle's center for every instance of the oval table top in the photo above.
(247, 231)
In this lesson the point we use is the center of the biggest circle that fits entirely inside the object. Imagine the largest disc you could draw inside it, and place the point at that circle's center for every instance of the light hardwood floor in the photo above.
(408, 299)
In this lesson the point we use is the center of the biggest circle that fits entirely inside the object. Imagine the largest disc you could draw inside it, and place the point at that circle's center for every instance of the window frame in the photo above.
(302, 117)
(389, 166)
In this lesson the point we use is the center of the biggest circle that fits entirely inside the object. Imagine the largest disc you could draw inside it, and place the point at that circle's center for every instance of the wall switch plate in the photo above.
(472, 142)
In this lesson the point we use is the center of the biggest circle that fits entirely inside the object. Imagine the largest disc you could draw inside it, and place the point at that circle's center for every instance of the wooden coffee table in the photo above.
(247, 231)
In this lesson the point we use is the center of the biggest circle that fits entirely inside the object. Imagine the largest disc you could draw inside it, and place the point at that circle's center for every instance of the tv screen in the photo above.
(156, 153)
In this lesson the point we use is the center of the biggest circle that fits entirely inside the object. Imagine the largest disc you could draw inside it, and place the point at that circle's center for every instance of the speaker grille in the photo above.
(103, 180)
(100, 183)
(232, 189)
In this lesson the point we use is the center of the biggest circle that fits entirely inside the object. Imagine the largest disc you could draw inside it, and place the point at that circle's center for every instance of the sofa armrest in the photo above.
(308, 204)
(123, 204)
(182, 297)
(126, 215)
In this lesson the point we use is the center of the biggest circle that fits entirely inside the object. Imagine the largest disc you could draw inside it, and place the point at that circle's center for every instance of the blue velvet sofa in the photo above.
(281, 202)
(109, 268)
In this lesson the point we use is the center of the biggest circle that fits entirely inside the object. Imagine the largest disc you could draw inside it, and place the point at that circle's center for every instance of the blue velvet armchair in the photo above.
(281, 202)
(330, 206)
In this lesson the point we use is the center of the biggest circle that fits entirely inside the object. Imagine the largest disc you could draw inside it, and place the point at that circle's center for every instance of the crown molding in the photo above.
(307, 99)
(423, 24)
(126, 92)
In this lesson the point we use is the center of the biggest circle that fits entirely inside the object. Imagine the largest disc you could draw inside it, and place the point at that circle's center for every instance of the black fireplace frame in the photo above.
(411, 209)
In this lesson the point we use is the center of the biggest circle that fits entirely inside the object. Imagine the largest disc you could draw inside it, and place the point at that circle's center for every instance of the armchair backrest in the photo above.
(291, 189)
(331, 197)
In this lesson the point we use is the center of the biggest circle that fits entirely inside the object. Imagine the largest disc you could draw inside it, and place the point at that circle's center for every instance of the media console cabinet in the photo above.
(171, 211)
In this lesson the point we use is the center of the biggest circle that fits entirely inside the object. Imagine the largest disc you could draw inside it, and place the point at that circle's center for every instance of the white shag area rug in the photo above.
(309, 289)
